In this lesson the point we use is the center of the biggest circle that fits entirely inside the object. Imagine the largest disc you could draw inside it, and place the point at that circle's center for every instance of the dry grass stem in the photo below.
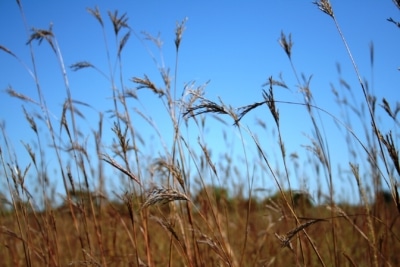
(216, 247)
(113, 163)
(285, 239)
(397, 3)
(167, 226)
(8, 51)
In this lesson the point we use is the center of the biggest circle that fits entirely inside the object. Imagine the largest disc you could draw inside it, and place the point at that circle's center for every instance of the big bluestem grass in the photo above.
(167, 213)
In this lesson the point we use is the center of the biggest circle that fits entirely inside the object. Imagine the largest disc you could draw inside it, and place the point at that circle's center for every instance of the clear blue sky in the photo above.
(234, 44)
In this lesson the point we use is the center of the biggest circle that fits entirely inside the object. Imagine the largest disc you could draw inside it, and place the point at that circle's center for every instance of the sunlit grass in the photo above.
(167, 213)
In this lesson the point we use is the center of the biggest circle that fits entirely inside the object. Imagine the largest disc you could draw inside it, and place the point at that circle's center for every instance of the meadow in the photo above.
(168, 214)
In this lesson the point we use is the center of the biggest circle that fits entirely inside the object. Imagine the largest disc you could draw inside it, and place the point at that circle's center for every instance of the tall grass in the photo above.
(167, 213)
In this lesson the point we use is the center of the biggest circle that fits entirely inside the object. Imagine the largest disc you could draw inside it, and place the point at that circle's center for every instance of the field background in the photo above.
(224, 134)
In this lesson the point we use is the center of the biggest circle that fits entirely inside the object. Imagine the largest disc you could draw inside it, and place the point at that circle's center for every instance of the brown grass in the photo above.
(166, 213)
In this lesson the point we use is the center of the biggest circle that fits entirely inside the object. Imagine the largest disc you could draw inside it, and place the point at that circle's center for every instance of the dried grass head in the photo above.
(163, 196)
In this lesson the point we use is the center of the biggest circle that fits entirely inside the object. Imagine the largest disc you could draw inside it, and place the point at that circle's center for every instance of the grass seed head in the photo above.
(163, 196)
(286, 44)
(325, 6)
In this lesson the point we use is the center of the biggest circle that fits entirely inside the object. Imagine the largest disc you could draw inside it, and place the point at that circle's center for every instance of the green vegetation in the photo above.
(180, 220)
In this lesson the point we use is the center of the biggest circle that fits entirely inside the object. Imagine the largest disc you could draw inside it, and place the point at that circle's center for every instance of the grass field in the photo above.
(182, 220)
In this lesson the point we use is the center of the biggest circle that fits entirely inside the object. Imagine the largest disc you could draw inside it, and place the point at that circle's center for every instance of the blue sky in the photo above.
(232, 44)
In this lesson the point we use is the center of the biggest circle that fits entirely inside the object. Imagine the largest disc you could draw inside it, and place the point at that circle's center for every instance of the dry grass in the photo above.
(166, 214)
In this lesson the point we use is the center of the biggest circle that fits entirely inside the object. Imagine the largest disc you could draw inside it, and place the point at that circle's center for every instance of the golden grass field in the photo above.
(228, 232)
